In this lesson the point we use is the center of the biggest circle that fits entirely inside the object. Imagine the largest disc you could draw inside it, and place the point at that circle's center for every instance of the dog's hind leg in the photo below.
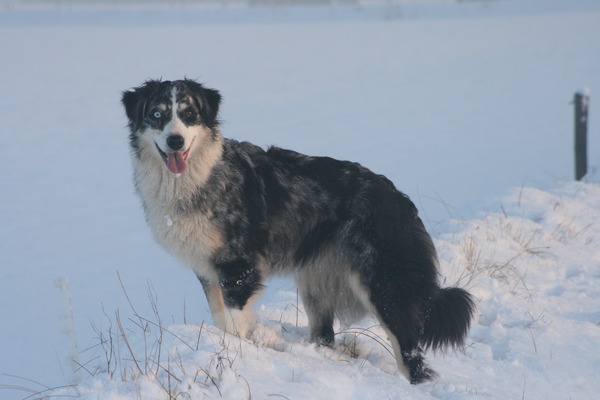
(402, 329)
(318, 309)
(409, 357)
(403, 323)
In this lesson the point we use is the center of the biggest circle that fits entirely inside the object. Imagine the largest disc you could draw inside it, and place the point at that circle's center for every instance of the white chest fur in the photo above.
(187, 234)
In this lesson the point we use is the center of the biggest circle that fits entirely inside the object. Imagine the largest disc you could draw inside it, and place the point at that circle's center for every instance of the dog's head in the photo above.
(171, 118)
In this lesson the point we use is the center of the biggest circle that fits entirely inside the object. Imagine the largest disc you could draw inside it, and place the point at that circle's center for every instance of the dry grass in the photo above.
(120, 359)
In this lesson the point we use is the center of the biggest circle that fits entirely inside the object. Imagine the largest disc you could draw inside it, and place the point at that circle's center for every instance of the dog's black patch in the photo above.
(239, 281)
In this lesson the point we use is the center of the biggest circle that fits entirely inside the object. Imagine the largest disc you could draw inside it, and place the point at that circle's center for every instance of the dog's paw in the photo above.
(238, 322)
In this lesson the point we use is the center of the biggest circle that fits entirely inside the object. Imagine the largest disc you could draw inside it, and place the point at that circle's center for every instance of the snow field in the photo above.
(534, 267)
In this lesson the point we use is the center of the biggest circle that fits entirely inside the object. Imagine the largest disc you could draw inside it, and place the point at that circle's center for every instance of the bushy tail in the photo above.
(448, 320)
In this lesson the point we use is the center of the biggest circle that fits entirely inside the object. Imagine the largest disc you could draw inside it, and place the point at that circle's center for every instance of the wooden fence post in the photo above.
(582, 101)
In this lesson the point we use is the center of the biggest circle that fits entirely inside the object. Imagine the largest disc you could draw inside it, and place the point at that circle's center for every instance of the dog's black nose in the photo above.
(175, 142)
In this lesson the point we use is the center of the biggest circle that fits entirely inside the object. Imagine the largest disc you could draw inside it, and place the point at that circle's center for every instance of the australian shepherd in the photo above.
(237, 214)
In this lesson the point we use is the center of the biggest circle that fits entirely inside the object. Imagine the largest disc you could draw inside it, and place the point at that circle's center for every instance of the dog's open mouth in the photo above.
(176, 161)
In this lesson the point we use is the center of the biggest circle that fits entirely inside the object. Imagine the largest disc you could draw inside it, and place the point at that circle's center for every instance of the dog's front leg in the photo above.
(214, 296)
(240, 283)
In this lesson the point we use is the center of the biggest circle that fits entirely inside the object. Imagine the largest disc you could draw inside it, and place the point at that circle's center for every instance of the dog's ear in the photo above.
(134, 108)
(134, 102)
(209, 101)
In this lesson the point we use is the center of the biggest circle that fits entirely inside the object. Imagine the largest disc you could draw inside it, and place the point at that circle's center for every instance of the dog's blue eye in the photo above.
(157, 114)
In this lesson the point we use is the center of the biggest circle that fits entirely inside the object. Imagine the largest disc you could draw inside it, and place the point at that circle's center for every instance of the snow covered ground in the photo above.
(465, 106)
(534, 268)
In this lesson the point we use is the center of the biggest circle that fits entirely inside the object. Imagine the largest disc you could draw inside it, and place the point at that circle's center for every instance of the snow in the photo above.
(534, 267)
(465, 106)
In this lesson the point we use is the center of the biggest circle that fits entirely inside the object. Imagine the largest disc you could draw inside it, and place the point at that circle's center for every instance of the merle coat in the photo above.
(236, 214)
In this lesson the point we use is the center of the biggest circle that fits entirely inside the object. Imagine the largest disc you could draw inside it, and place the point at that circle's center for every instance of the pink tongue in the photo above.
(175, 163)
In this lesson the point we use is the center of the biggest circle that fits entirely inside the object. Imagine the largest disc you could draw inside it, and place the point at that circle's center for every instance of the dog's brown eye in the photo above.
(189, 115)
